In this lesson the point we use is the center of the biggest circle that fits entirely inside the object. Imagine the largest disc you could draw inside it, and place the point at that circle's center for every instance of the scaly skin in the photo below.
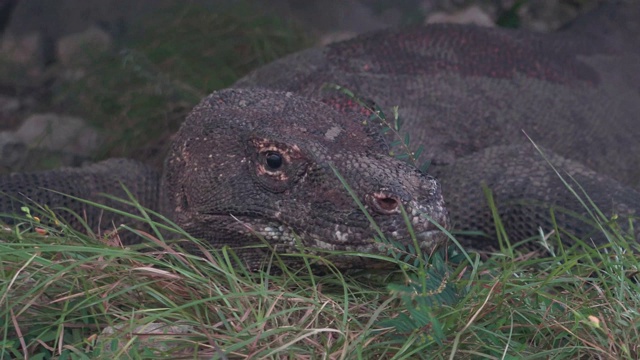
(220, 165)
(469, 95)
(243, 166)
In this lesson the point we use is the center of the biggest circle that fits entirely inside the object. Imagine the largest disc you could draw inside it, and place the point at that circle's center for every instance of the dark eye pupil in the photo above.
(274, 160)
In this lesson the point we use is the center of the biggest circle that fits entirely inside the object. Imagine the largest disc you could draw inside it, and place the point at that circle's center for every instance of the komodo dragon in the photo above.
(250, 160)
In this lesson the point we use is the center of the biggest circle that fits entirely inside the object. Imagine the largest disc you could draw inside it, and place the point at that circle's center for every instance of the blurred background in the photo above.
(83, 80)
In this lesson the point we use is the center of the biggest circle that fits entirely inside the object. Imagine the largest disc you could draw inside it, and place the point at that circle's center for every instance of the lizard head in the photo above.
(256, 163)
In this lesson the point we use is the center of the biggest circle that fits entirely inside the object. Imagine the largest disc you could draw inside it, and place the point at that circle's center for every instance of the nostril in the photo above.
(385, 204)
(388, 203)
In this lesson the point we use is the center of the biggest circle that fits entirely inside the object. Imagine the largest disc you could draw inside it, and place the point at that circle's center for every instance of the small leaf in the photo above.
(425, 166)
(396, 120)
(421, 317)
(345, 91)
(412, 249)
(417, 153)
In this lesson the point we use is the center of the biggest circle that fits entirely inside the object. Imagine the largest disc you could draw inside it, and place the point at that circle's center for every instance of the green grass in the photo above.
(58, 294)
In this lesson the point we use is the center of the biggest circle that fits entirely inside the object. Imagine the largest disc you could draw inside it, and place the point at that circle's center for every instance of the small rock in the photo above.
(471, 15)
(12, 151)
(77, 48)
(27, 51)
(21, 49)
(336, 36)
(58, 133)
(9, 105)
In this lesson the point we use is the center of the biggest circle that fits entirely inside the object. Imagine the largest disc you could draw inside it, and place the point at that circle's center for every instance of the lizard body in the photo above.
(252, 160)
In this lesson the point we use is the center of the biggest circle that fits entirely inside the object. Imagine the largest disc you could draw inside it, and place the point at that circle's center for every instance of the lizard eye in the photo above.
(273, 160)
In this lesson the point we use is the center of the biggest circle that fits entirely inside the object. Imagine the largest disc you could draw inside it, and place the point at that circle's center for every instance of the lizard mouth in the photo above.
(428, 241)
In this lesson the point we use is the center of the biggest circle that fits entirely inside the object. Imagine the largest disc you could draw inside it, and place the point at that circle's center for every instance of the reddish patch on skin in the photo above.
(343, 104)
(475, 52)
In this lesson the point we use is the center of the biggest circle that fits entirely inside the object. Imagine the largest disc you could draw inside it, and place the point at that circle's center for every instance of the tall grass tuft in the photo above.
(68, 295)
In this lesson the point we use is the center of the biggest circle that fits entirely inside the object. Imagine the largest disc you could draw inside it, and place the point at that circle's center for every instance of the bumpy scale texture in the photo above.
(470, 94)
(269, 159)
(252, 163)
(90, 183)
